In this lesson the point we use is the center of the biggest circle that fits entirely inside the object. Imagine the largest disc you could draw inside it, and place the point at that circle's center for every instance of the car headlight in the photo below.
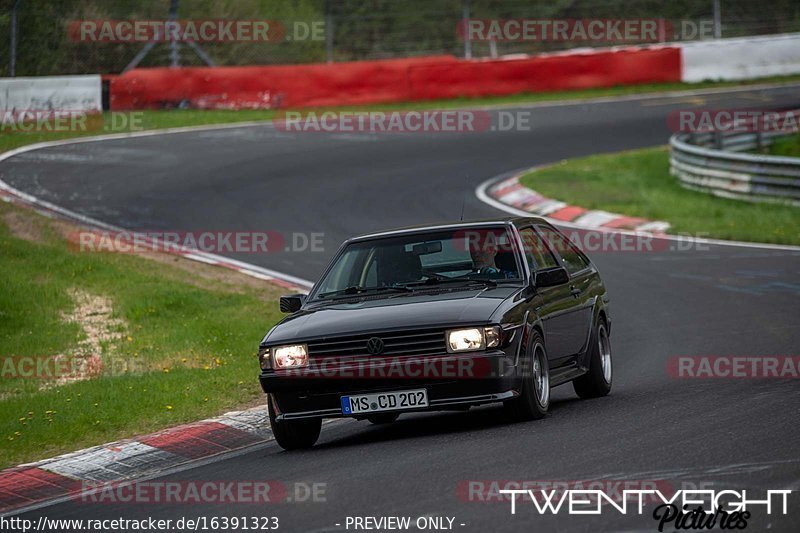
(292, 356)
(473, 339)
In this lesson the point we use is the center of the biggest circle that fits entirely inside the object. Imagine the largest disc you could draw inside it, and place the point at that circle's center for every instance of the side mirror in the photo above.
(292, 302)
(550, 277)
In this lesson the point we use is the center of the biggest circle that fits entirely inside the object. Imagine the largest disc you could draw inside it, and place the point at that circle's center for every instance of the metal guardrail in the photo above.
(715, 163)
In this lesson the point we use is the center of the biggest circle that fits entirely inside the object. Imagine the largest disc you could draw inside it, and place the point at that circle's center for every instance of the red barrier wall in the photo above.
(366, 82)
(546, 73)
(360, 82)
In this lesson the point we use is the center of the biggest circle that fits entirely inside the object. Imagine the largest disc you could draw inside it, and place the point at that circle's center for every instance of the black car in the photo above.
(434, 318)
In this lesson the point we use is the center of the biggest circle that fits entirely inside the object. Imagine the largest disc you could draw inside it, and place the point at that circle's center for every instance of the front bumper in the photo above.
(477, 378)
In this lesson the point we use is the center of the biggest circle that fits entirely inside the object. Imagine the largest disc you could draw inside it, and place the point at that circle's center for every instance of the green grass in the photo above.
(786, 146)
(170, 118)
(638, 183)
(204, 332)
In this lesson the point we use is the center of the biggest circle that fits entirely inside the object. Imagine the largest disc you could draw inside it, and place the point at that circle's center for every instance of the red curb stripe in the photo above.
(286, 284)
(46, 476)
(9, 501)
(568, 213)
(31, 485)
(530, 204)
(200, 440)
(507, 189)
(624, 223)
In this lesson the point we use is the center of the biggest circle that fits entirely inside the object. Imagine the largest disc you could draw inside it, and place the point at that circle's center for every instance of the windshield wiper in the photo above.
(464, 281)
(355, 289)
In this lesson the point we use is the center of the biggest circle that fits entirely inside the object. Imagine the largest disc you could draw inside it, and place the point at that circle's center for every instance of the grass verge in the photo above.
(172, 118)
(785, 146)
(177, 339)
(638, 183)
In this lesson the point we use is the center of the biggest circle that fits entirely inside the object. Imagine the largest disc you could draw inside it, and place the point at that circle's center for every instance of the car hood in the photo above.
(395, 312)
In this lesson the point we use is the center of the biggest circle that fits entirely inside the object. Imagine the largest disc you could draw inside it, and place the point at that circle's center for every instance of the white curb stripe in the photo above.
(547, 206)
(596, 219)
(111, 462)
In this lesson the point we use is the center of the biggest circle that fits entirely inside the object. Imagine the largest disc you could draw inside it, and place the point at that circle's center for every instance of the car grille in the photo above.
(396, 343)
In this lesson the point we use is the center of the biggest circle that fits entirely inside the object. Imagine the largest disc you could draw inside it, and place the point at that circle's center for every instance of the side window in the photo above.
(536, 253)
(570, 258)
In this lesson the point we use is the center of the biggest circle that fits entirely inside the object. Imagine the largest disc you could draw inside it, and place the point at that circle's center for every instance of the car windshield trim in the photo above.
(434, 282)
(356, 290)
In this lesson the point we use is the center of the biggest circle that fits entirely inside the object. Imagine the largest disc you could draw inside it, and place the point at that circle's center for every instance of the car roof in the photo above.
(424, 228)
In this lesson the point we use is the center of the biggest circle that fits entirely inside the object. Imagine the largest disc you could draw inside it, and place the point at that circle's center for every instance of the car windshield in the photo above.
(479, 256)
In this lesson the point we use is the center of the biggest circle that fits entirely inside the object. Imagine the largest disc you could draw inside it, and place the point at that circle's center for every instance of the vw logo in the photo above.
(375, 345)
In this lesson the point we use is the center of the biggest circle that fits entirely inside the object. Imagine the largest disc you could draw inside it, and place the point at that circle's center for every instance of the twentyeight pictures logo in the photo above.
(684, 509)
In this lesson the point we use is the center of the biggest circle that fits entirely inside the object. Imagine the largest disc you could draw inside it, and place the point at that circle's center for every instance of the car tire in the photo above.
(293, 434)
(383, 418)
(534, 398)
(597, 381)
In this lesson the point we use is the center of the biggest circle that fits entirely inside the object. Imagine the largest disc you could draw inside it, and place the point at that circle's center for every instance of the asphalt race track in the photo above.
(708, 300)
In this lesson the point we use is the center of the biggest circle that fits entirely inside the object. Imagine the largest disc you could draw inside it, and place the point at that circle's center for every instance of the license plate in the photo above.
(384, 401)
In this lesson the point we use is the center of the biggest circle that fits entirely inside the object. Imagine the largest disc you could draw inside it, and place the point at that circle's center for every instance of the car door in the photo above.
(576, 318)
(551, 304)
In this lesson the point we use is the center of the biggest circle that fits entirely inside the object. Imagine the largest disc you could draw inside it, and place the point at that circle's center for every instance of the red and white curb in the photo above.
(511, 192)
(67, 475)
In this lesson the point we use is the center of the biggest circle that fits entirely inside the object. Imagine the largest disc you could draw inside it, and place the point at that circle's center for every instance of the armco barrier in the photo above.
(725, 171)
(367, 82)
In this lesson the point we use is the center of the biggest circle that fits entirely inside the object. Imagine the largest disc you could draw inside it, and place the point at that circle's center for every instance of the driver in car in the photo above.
(483, 253)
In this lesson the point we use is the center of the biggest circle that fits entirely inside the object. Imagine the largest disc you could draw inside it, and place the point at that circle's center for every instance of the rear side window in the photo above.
(571, 259)
(536, 253)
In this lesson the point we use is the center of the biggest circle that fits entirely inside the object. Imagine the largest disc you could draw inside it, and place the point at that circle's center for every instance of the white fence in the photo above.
(740, 59)
(51, 93)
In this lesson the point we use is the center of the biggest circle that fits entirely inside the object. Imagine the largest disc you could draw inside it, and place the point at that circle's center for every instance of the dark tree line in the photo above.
(361, 29)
